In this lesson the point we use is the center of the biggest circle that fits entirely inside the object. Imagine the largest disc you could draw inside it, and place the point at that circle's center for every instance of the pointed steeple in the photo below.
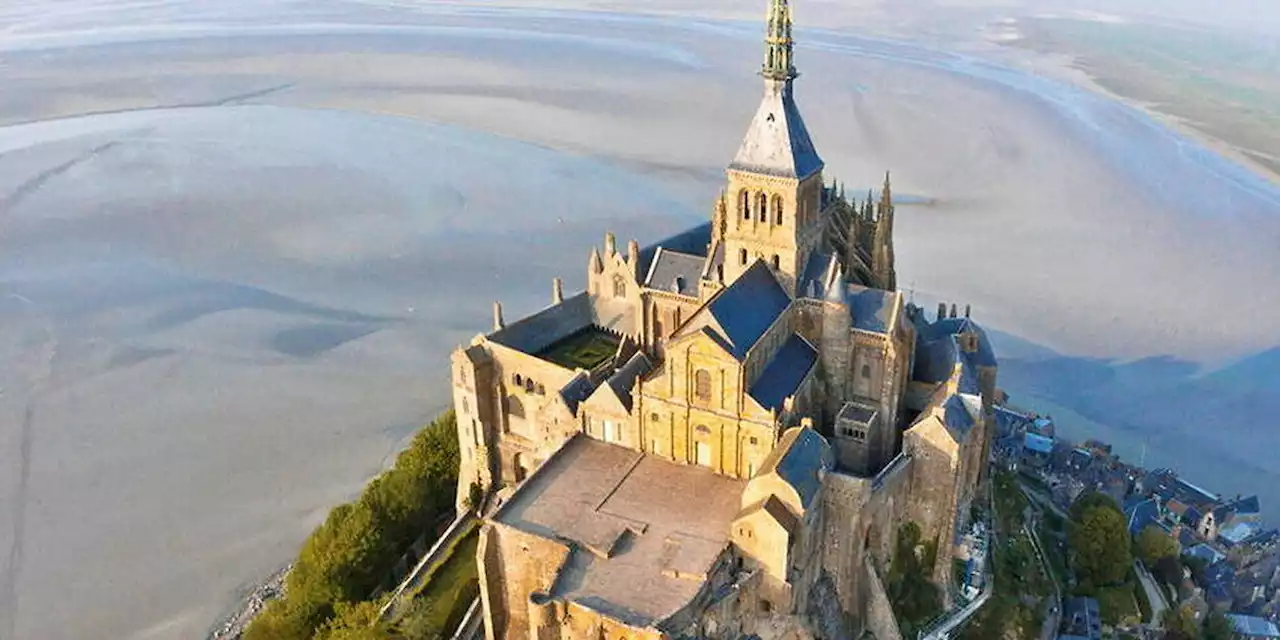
(777, 43)
(777, 142)
(594, 263)
(882, 258)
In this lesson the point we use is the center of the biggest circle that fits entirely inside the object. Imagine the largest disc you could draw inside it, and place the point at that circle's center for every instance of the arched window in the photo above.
(775, 261)
(866, 371)
(619, 287)
(703, 430)
(742, 256)
(653, 418)
(777, 209)
(528, 385)
(761, 202)
(702, 385)
(515, 408)
(518, 379)
(744, 205)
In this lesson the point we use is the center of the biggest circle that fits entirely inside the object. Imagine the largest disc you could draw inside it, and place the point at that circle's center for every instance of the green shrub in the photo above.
(355, 549)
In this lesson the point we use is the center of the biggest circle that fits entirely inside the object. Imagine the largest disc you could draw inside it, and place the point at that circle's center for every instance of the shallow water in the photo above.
(220, 318)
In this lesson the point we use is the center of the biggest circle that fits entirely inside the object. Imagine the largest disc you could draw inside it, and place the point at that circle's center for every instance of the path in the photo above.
(437, 554)
(1155, 595)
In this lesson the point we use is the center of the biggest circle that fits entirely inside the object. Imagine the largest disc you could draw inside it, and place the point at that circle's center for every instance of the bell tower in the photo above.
(775, 180)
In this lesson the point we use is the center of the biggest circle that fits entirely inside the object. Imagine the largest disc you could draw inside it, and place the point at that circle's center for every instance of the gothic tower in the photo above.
(775, 180)
(883, 274)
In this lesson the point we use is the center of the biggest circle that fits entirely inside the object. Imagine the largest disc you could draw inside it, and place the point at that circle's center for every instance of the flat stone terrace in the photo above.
(647, 530)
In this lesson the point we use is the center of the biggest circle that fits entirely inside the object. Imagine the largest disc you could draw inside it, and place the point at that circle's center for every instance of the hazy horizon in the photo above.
(237, 242)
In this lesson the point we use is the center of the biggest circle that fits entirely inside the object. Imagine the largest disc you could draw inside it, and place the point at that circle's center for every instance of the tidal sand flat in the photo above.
(230, 294)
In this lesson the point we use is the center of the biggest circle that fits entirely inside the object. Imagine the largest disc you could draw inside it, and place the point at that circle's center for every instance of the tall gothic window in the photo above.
(776, 262)
(702, 385)
(777, 209)
(744, 205)
(761, 202)
(619, 287)
(742, 256)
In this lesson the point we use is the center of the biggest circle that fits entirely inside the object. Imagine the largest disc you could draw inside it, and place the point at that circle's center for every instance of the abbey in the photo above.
(724, 434)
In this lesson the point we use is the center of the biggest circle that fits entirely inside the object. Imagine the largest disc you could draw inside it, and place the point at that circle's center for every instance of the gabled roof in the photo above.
(578, 389)
(692, 241)
(675, 272)
(743, 311)
(800, 459)
(777, 142)
(956, 417)
(784, 373)
(776, 510)
(624, 379)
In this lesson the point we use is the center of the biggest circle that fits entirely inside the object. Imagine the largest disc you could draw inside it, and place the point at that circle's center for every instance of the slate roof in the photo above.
(578, 389)
(624, 379)
(675, 272)
(534, 333)
(1140, 512)
(778, 511)
(984, 357)
(935, 359)
(799, 460)
(777, 142)
(956, 417)
(854, 412)
(871, 308)
(745, 309)
(784, 373)
(1253, 627)
(814, 276)
(692, 241)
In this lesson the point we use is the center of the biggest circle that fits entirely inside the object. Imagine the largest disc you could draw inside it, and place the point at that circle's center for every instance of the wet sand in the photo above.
(229, 296)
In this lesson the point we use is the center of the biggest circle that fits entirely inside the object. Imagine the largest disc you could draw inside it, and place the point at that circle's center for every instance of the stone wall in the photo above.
(514, 567)
(880, 619)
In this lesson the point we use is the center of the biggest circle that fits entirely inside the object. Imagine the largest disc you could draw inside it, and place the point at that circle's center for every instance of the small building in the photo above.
(1251, 628)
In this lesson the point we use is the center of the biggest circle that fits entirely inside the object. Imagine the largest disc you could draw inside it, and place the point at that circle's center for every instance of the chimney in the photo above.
(557, 291)
(953, 309)
(942, 311)
(967, 309)
(610, 245)
(497, 316)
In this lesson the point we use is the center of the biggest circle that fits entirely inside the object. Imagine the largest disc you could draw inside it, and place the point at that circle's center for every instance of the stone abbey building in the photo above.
(722, 436)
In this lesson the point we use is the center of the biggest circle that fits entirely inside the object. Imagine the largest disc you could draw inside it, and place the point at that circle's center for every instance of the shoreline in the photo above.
(1071, 68)
(232, 625)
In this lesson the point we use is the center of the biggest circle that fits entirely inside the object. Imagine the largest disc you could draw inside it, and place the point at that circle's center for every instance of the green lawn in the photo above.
(586, 349)
(447, 593)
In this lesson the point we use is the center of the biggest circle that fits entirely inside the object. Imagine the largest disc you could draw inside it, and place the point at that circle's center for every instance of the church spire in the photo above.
(882, 259)
(777, 43)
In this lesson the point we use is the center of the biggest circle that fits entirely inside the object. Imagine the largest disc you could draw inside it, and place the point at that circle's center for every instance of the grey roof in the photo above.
(746, 309)
(777, 511)
(1253, 627)
(799, 459)
(985, 356)
(1140, 512)
(534, 333)
(624, 379)
(956, 417)
(854, 412)
(777, 142)
(935, 359)
(784, 373)
(814, 275)
(692, 241)
(578, 389)
(871, 308)
(675, 272)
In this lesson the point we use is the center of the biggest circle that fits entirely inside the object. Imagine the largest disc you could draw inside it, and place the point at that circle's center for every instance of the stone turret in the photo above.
(498, 324)
(557, 291)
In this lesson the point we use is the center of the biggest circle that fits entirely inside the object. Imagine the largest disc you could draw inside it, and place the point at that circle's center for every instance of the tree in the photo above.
(915, 599)
(1218, 627)
(355, 621)
(1168, 570)
(1089, 500)
(1180, 624)
(1153, 544)
(1101, 545)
